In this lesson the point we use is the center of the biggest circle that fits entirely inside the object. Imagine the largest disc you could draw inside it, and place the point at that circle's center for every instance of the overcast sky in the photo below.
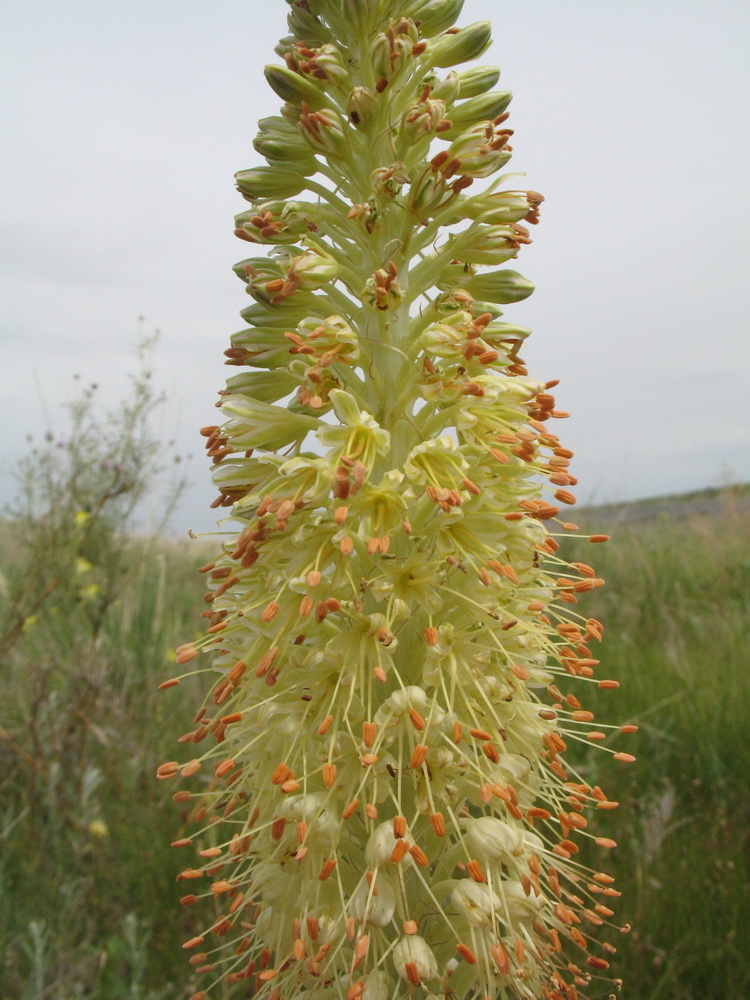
(123, 122)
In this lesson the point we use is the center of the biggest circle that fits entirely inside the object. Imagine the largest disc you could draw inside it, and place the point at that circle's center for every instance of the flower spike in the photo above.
(378, 794)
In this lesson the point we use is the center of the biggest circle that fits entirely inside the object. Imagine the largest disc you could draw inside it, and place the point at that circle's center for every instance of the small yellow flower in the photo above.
(81, 517)
(98, 828)
(29, 622)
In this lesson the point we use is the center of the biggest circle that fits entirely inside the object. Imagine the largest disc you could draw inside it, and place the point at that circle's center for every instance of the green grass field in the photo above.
(88, 899)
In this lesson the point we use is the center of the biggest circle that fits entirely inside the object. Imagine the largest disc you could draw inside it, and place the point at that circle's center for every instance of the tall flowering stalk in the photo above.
(380, 803)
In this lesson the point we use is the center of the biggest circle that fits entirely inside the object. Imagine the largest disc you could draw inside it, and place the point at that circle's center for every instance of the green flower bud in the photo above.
(254, 424)
(281, 316)
(283, 149)
(269, 182)
(265, 386)
(293, 88)
(477, 80)
(478, 109)
(445, 89)
(500, 286)
(435, 16)
(467, 43)
(259, 269)
(259, 346)
(305, 24)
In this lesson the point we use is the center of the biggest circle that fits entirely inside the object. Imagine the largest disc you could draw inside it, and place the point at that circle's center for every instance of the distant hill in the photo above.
(711, 501)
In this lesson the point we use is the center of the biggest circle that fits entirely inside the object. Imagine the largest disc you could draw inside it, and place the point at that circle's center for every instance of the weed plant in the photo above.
(87, 612)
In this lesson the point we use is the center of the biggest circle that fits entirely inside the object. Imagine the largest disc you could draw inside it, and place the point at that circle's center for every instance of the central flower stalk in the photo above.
(379, 797)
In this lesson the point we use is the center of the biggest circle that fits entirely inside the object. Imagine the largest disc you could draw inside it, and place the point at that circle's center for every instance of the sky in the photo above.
(122, 124)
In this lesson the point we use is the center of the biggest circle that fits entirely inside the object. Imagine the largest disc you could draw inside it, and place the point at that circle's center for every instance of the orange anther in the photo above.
(465, 952)
(419, 855)
(416, 719)
(399, 851)
(475, 871)
(438, 823)
(325, 725)
(350, 809)
(328, 865)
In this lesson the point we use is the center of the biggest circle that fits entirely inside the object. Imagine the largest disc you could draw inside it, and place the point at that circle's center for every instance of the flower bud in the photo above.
(375, 910)
(467, 43)
(435, 16)
(500, 286)
(254, 424)
(362, 107)
(293, 88)
(477, 80)
(269, 182)
(286, 149)
(278, 318)
(265, 386)
(305, 24)
(445, 89)
(486, 107)
(491, 840)
(414, 951)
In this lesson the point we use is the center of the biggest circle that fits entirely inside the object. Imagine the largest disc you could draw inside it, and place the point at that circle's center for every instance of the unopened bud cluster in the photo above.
(379, 802)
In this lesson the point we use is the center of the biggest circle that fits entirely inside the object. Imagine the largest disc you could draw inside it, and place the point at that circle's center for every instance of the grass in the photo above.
(87, 888)
(677, 608)
(88, 901)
